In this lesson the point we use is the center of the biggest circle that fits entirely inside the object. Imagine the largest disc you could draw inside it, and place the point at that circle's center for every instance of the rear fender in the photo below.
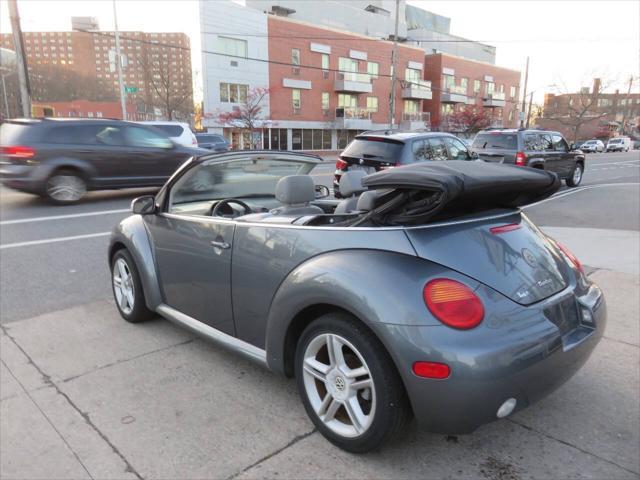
(377, 287)
(536, 163)
(133, 235)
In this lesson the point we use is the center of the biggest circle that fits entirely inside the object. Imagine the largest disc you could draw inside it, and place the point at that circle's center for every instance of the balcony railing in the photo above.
(416, 89)
(353, 113)
(353, 82)
(457, 89)
(497, 95)
(416, 117)
(353, 77)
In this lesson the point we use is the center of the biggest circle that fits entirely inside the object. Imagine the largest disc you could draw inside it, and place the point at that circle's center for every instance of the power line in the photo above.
(273, 62)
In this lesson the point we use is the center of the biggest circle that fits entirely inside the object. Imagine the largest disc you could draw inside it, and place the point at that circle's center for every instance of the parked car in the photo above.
(542, 149)
(373, 151)
(375, 312)
(179, 132)
(619, 144)
(62, 159)
(577, 144)
(212, 141)
(592, 146)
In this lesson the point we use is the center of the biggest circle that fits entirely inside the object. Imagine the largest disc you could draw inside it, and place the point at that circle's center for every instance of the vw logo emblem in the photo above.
(362, 161)
(529, 257)
(340, 384)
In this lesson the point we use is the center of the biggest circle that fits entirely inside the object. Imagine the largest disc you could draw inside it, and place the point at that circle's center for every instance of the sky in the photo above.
(568, 41)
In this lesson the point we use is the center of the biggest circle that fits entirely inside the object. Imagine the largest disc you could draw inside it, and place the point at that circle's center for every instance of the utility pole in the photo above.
(21, 60)
(394, 73)
(524, 92)
(624, 112)
(529, 110)
(123, 104)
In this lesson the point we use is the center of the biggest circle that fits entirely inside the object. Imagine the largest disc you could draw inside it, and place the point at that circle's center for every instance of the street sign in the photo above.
(130, 89)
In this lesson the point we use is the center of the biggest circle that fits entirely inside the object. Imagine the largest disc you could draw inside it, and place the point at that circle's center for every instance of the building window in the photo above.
(373, 69)
(604, 102)
(233, 92)
(310, 139)
(464, 83)
(372, 104)
(295, 60)
(295, 100)
(325, 102)
(347, 65)
(232, 46)
(346, 100)
(325, 61)
(448, 81)
(512, 92)
(446, 109)
(476, 86)
(490, 87)
(501, 88)
(275, 138)
(411, 106)
(412, 75)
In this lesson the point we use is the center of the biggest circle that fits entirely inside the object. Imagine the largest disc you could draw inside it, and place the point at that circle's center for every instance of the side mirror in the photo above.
(322, 191)
(144, 205)
(473, 156)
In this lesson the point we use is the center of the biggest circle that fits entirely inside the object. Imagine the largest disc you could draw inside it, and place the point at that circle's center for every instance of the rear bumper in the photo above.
(26, 178)
(523, 357)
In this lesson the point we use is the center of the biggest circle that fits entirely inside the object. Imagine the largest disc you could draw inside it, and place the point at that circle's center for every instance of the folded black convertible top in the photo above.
(423, 190)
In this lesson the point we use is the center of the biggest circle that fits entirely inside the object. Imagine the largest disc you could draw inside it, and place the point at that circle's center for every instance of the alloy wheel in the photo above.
(123, 286)
(66, 188)
(339, 385)
(577, 174)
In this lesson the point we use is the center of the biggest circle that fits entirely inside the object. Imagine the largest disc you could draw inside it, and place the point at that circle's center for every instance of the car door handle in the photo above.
(223, 245)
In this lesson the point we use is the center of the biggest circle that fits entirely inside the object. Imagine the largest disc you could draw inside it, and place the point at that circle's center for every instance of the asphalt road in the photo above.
(85, 395)
(54, 257)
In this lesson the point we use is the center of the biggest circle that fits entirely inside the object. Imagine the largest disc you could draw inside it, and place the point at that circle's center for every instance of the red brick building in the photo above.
(459, 83)
(91, 55)
(83, 109)
(592, 113)
(343, 83)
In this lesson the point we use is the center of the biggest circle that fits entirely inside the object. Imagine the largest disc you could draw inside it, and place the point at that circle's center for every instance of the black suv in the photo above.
(531, 148)
(61, 159)
(212, 141)
(374, 151)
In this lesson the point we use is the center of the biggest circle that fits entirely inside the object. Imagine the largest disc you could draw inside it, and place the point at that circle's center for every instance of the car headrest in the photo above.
(369, 199)
(295, 189)
(351, 183)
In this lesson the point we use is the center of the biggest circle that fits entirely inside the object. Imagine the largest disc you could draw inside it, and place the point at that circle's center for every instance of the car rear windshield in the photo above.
(504, 141)
(13, 133)
(615, 141)
(209, 138)
(171, 130)
(384, 149)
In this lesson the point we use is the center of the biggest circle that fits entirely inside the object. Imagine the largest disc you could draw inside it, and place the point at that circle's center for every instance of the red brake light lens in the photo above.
(453, 303)
(571, 257)
(341, 165)
(18, 152)
(504, 228)
(431, 370)
(521, 159)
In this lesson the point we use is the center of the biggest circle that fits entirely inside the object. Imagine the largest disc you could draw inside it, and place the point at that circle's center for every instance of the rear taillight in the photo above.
(453, 303)
(431, 370)
(521, 159)
(341, 165)
(18, 152)
(572, 258)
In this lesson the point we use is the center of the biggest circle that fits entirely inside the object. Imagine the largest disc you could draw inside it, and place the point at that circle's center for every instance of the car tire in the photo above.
(360, 413)
(65, 187)
(576, 176)
(127, 288)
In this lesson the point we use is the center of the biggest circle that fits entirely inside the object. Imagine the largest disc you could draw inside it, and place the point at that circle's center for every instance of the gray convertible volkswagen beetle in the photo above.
(425, 292)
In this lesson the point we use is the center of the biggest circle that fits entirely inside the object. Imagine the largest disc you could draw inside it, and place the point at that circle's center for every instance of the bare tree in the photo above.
(248, 115)
(469, 119)
(575, 109)
(168, 92)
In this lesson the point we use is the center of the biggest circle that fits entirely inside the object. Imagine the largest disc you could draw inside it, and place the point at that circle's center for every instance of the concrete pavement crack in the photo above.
(293, 441)
(64, 440)
(47, 379)
(568, 444)
(102, 367)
